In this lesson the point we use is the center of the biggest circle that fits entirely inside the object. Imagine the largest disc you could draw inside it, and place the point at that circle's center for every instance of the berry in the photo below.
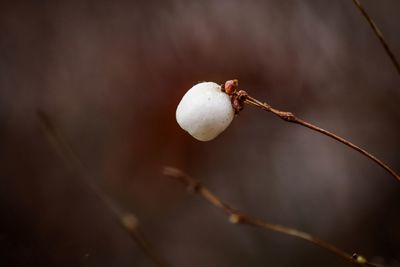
(205, 111)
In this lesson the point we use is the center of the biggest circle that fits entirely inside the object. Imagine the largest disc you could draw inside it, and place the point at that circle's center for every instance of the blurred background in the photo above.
(110, 75)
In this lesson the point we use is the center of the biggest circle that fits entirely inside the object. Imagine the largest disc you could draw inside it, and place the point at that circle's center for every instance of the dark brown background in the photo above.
(111, 73)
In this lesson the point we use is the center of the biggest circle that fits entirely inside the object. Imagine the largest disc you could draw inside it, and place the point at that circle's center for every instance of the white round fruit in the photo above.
(205, 111)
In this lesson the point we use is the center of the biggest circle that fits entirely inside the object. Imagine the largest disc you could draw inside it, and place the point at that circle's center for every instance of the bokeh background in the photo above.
(110, 75)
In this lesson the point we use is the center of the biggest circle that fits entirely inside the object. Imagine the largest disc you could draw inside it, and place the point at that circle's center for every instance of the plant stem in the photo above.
(128, 221)
(237, 217)
(378, 34)
(290, 117)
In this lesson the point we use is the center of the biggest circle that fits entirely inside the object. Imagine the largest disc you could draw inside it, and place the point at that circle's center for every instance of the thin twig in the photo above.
(131, 225)
(290, 117)
(237, 217)
(378, 34)
(128, 221)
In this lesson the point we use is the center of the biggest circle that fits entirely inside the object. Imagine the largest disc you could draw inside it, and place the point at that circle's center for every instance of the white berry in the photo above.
(205, 111)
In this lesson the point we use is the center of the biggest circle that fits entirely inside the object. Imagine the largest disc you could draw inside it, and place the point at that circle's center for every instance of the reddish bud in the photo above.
(231, 86)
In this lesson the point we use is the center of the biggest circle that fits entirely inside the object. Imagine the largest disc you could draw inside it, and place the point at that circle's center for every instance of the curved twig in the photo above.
(290, 117)
(378, 34)
(237, 217)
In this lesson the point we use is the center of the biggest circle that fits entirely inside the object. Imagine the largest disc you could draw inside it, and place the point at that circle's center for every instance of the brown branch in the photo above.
(237, 217)
(290, 117)
(378, 34)
(128, 221)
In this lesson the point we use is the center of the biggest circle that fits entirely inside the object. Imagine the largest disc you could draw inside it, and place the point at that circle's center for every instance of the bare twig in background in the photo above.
(289, 117)
(378, 34)
(130, 224)
(127, 220)
(237, 217)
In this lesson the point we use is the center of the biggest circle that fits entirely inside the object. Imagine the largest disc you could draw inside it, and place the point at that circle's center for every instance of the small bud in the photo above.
(205, 111)
(129, 221)
(359, 259)
(231, 86)
(234, 218)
